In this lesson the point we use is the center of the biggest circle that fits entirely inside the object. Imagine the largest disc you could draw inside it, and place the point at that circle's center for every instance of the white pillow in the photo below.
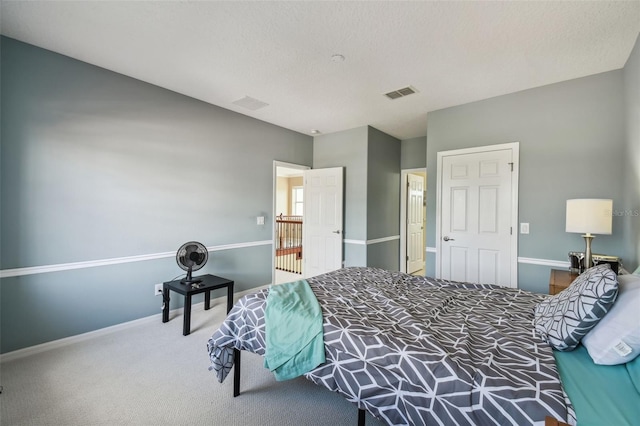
(616, 338)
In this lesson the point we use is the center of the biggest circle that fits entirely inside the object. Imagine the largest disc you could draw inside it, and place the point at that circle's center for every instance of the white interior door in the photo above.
(322, 225)
(477, 217)
(415, 220)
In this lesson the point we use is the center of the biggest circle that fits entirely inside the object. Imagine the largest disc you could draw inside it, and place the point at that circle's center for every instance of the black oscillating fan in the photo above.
(191, 256)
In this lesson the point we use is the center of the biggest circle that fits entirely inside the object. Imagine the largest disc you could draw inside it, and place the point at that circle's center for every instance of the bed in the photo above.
(417, 350)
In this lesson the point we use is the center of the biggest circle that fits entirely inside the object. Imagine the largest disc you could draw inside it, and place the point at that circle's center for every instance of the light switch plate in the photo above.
(260, 220)
(524, 228)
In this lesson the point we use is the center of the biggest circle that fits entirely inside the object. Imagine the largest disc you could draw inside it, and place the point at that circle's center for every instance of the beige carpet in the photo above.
(149, 374)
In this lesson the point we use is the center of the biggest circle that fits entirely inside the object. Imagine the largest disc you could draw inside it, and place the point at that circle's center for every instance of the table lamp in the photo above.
(589, 216)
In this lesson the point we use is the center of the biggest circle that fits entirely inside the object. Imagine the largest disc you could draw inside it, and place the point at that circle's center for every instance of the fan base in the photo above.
(190, 281)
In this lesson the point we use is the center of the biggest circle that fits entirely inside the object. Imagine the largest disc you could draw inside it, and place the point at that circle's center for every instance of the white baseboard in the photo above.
(36, 349)
(32, 350)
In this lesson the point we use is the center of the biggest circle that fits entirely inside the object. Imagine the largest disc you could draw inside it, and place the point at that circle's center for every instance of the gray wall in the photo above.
(348, 149)
(383, 183)
(96, 165)
(383, 201)
(371, 160)
(572, 145)
(413, 153)
(631, 208)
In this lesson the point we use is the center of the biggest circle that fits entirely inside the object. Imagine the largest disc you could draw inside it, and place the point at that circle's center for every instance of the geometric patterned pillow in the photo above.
(564, 319)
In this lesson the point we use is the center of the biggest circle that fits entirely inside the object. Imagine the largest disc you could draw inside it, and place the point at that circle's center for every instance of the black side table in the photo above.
(209, 282)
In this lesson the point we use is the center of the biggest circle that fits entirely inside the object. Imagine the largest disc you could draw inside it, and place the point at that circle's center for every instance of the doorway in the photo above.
(413, 219)
(288, 203)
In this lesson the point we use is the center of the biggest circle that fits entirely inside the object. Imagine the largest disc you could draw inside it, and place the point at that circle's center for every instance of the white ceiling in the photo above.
(280, 52)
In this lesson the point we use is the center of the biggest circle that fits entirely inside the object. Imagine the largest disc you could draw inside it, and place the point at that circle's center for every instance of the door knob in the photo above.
(447, 238)
(336, 231)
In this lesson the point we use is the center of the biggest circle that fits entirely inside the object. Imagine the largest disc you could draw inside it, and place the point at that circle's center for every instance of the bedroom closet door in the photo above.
(322, 226)
(478, 210)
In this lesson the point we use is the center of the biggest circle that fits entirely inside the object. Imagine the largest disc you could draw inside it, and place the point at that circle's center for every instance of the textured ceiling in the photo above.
(280, 52)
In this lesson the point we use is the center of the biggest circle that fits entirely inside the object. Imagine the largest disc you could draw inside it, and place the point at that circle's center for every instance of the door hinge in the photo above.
(511, 230)
(511, 164)
(407, 258)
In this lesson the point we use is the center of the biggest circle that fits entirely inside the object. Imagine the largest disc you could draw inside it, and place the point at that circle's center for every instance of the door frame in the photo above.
(515, 149)
(277, 164)
(403, 218)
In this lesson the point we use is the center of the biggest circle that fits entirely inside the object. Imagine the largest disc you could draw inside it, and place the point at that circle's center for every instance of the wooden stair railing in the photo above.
(289, 243)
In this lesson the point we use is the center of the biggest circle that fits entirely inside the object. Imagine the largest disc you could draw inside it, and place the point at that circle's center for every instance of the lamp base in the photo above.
(588, 260)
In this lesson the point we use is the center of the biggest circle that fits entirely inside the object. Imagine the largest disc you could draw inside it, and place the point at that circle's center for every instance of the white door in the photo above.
(415, 219)
(477, 217)
(322, 225)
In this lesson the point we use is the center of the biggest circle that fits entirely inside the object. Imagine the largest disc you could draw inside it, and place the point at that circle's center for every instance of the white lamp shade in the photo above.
(589, 216)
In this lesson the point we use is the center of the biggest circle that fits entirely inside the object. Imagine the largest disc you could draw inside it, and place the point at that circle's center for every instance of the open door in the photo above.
(323, 226)
(415, 223)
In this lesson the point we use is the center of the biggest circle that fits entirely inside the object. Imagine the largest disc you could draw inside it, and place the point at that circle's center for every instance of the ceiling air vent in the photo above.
(405, 91)
(250, 103)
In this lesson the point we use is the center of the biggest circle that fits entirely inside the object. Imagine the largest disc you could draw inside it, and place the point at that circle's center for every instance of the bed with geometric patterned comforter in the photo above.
(417, 350)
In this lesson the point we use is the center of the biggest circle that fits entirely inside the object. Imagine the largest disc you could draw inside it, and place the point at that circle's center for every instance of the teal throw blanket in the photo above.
(293, 330)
